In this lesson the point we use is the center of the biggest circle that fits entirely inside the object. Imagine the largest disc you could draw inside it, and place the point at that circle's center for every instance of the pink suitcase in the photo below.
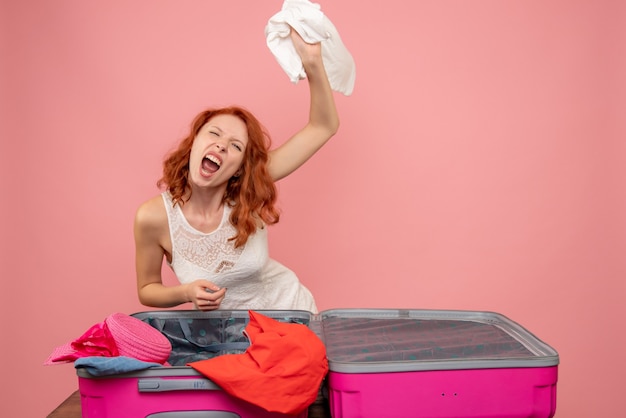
(179, 391)
(436, 364)
(383, 363)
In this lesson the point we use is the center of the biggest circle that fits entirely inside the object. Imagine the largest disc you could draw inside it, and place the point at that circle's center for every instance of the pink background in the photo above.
(480, 164)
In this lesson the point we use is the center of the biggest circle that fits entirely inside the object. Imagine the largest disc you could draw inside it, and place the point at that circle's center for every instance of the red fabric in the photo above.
(96, 341)
(281, 371)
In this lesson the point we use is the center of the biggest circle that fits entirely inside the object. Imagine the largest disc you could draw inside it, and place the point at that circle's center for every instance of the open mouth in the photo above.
(211, 163)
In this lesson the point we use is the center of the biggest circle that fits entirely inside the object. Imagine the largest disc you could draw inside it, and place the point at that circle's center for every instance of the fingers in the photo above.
(295, 36)
(207, 300)
(207, 285)
(207, 305)
(303, 47)
(205, 295)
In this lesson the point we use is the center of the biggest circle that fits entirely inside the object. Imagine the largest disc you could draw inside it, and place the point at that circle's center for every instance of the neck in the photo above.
(204, 210)
(205, 202)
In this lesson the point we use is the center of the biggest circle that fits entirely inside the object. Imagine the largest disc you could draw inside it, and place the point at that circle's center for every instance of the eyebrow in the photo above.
(222, 131)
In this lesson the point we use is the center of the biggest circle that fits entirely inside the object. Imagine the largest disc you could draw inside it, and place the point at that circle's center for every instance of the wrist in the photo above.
(186, 293)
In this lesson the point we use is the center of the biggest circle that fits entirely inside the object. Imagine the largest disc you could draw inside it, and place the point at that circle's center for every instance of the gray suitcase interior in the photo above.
(386, 340)
(197, 335)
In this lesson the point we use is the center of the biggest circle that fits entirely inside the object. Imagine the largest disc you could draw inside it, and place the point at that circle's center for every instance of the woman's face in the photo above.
(218, 150)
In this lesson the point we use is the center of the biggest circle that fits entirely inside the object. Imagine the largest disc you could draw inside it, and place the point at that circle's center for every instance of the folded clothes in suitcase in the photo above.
(178, 390)
(436, 364)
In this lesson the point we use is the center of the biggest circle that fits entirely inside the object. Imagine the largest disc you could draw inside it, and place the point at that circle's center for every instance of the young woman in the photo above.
(211, 222)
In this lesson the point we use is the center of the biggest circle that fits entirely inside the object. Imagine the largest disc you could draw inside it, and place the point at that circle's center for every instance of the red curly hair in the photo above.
(252, 194)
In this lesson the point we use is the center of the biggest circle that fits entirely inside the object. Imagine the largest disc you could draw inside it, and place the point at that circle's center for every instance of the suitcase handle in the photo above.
(169, 385)
(194, 414)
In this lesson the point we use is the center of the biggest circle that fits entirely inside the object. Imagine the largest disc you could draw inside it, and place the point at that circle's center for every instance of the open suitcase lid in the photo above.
(394, 340)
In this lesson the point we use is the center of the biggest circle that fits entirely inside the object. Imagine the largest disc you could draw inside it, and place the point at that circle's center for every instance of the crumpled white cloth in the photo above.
(313, 26)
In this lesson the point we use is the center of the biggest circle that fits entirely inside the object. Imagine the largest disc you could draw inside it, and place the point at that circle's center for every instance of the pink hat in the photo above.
(118, 335)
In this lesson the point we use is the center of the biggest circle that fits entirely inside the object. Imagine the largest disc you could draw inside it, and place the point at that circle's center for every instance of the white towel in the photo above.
(313, 26)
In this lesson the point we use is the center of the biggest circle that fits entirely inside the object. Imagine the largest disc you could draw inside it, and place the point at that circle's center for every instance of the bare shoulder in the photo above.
(151, 215)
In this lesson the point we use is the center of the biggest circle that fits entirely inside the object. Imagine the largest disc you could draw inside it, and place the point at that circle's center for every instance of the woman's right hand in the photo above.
(308, 52)
(205, 295)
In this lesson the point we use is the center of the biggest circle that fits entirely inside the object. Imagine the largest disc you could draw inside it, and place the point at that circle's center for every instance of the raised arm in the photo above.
(323, 118)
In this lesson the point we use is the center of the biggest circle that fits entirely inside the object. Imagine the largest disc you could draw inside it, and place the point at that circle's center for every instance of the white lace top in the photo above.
(253, 280)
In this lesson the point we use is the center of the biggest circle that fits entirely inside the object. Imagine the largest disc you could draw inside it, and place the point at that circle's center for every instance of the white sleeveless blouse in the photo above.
(253, 280)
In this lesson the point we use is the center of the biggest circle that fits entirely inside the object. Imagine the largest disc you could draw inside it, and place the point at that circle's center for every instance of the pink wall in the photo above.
(480, 165)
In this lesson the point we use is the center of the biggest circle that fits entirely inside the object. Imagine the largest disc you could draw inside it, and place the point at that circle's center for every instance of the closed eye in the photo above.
(237, 146)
